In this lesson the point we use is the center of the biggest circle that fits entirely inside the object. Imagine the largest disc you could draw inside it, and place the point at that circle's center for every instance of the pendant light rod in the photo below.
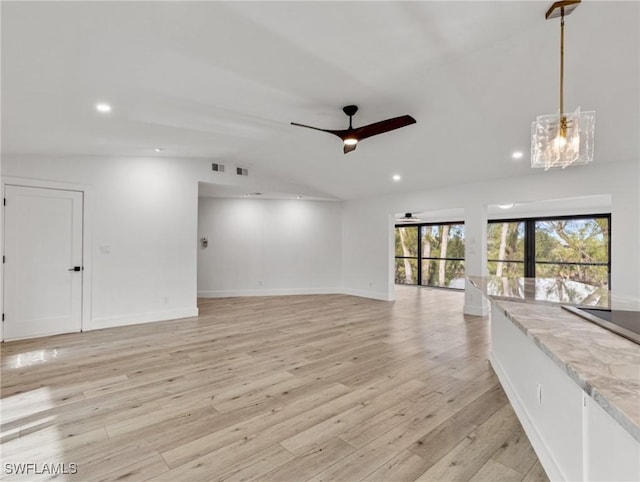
(562, 62)
(560, 9)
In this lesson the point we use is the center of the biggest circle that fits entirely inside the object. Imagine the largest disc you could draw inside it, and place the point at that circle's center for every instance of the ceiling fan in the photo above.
(351, 136)
(408, 218)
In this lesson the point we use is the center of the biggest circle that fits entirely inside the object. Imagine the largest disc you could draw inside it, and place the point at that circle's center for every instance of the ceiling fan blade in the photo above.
(350, 135)
(335, 133)
(349, 148)
(383, 126)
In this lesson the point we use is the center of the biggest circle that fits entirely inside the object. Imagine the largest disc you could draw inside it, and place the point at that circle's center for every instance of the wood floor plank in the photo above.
(536, 474)
(404, 466)
(306, 440)
(382, 422)
(307, 465)
(368, 458)
(144, 469)
(517, 453)
(476, 449)
(435, 444)
(496, 472)
(283, 388)
(304, 412)
(256, 465)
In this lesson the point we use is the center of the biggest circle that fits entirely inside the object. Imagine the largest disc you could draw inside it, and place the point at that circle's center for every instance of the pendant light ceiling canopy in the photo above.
(562, 139)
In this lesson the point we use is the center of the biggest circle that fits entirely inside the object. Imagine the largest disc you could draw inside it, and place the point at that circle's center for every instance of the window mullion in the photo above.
(419, 251)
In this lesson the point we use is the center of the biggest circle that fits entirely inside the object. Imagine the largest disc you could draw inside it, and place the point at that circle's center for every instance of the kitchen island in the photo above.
(574, 385)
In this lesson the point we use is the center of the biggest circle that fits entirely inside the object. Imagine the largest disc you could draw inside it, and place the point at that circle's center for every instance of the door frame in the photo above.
(87, 252)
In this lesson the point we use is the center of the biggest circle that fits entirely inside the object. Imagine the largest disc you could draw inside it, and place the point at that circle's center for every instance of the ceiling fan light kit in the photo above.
(351, 136)
(562, 139)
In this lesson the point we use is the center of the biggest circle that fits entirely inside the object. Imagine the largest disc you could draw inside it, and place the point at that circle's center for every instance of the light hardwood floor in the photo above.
(327, 387)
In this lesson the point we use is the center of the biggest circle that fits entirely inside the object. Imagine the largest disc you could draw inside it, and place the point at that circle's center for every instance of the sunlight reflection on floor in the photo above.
(31, 358)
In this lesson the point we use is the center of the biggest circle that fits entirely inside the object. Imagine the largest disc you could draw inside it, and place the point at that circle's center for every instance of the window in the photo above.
(505, 248)
(430, 255)
(572, 248)
(442, 255)
(407, 255)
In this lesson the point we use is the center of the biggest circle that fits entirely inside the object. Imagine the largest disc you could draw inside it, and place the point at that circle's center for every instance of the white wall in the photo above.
(144, 212)
(368, 245)
(265, 247)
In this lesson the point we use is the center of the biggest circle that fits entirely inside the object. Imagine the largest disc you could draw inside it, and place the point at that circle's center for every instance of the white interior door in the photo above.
(43, 262)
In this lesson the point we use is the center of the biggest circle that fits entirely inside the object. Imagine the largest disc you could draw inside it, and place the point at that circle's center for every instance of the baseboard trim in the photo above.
(375, 295)
(267, 292)
(295, 291)
(476, 310)
(546, 459)
(139, 318)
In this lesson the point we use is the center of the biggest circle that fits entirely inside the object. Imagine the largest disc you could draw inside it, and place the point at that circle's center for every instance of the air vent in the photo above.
(217, 167)
(241, 171)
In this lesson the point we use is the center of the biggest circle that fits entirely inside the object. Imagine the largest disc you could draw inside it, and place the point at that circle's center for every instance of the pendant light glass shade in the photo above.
(561, 140)
(567, 137)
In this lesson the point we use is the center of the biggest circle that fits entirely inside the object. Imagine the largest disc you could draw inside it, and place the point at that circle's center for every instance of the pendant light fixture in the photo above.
(567, 137)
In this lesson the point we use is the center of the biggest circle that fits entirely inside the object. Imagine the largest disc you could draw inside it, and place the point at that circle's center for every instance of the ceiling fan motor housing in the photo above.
(350, 109)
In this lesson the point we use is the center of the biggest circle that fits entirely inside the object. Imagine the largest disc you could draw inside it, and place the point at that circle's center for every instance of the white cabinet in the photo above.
(573, 436)
(547, 402)
(610, 452)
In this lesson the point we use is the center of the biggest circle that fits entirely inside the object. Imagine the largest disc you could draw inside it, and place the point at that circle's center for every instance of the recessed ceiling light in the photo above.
(517, 155)
(102, 107)
(298, 197)
(506, 206)
(159, 149)
(396, 177)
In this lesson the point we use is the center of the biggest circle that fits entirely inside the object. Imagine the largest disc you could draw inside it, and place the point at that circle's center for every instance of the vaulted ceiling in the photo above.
(222, 81)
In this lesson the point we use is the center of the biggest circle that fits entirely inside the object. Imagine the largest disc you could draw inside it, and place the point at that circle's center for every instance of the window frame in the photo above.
(416, 257)
(419, 257)
(530, 241)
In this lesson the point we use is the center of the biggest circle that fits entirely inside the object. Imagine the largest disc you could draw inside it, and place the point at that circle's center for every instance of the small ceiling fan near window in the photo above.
(407, 218)
(351, 136)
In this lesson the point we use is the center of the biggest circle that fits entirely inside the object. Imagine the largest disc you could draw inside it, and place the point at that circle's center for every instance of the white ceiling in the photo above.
(222, 81)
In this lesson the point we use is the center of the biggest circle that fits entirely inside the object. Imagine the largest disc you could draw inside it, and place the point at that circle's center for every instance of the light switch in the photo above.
(539, 393)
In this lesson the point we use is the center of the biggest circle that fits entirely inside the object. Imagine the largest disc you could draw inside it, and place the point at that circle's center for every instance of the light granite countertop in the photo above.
(552, 291)
(605, 365)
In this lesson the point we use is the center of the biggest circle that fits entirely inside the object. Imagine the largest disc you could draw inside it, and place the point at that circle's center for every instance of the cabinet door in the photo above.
(611, 453)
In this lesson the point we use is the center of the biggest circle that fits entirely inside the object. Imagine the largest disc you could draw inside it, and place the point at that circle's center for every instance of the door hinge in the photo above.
(4, 260)
(2, 316)
(4, 201)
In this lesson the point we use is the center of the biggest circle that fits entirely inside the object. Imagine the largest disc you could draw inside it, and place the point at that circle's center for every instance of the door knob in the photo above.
(75, 268)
